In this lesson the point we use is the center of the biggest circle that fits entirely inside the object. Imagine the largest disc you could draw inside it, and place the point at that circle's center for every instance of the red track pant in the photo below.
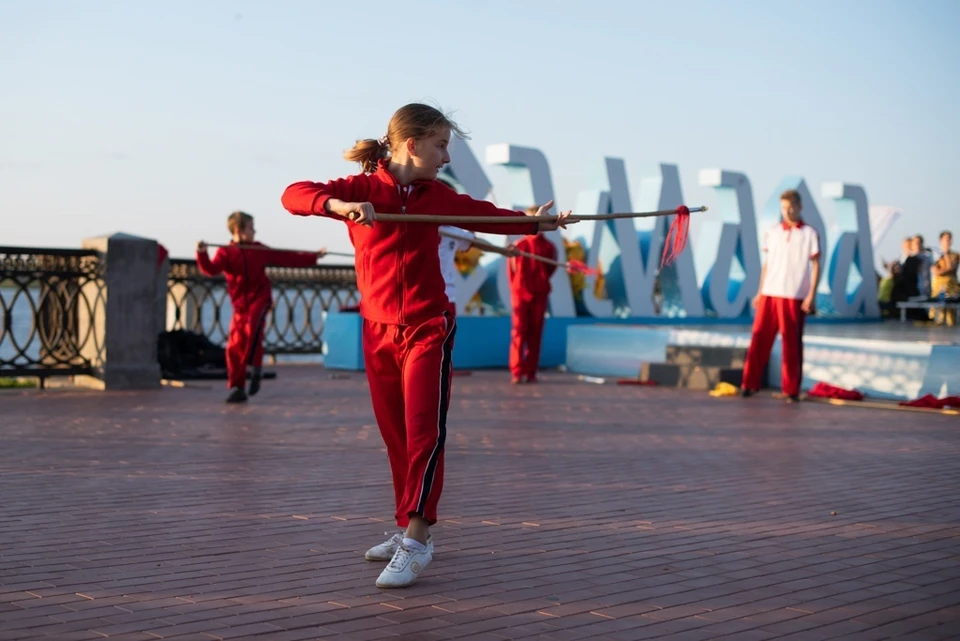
(775, 315)
(245, 344)
(409, 372)
(526, 336)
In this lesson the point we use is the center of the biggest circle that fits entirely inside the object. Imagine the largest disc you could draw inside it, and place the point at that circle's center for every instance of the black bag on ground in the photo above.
(185, 355)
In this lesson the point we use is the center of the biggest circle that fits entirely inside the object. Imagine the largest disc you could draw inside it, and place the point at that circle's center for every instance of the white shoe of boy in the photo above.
(385, 551)
(406, 565)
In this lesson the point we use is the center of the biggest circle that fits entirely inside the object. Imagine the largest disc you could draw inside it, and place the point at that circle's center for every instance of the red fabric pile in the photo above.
(825, 390)
(932, 402)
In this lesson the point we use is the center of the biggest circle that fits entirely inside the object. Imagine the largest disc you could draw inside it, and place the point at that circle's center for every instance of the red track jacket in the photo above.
(398, 266)
(529, 278)
(245, 271)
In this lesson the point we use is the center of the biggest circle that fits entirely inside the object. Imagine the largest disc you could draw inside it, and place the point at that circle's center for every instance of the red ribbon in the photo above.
(932, 402)
(575, 266)
(676, 240)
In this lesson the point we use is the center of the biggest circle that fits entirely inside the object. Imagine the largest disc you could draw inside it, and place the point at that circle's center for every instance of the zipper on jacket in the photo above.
(404, 192)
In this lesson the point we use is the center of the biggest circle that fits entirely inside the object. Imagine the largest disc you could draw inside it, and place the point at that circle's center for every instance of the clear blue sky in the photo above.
(159, 118)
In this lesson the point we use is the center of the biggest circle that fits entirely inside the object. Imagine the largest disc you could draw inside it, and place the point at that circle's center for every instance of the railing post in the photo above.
(163, 275)
(57, 315)
(183, 307)
(126, 333)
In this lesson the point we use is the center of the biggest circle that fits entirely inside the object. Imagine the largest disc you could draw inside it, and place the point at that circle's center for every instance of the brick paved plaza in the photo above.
(570, 511)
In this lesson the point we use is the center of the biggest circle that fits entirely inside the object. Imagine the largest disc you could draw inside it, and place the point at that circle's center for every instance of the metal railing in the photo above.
(52, 303)
(302, 297)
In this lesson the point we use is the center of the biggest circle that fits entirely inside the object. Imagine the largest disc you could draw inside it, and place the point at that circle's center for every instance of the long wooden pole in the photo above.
(461, 220)
(484, 245)
(290, 251)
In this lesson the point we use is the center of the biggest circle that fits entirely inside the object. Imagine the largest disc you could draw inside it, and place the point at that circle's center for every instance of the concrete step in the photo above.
(694, 377)
(706, 356)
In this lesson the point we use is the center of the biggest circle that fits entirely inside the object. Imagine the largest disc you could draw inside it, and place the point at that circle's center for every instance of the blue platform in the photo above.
(883, 360)
(483, 342)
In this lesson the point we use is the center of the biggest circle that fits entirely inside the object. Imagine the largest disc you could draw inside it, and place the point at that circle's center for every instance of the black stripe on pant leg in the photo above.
(800, 323)
(255, 338)
(445, 371)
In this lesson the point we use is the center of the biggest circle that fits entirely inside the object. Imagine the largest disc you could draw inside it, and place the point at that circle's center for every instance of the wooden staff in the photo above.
(290, 251)
(674, 242)
(471, 220)
(573, 265)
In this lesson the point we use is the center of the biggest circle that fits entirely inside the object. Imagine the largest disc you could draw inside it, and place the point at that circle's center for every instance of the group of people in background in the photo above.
(922, 273)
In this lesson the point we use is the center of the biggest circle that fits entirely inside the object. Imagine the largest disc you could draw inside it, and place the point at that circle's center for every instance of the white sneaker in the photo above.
(404, 568)
(385, 551)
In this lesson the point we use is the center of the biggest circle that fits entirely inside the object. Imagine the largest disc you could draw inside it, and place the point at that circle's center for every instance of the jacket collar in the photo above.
(383, 174)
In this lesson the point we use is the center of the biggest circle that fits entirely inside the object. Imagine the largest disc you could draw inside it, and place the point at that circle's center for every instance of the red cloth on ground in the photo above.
(932, 402)
(825, 390)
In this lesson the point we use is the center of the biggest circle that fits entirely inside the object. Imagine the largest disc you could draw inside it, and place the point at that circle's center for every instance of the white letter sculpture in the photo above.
(735, 237)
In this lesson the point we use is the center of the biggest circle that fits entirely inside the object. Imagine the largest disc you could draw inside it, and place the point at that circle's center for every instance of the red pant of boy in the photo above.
(774, 315)
(245, 344)
(526, 336)
(409, 371)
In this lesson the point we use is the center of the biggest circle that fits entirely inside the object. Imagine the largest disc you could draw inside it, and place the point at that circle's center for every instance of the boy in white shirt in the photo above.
(787, 293)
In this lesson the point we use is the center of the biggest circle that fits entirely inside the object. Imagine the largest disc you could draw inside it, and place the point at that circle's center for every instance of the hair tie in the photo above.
(384, 141)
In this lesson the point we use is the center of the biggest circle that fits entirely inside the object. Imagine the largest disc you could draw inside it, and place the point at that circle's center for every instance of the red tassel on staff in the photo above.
(676, 239)
(575, 266)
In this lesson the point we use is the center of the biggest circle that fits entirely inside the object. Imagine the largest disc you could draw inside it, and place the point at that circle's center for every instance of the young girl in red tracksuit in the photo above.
(244, 263)
(407, 329)
(529, 292)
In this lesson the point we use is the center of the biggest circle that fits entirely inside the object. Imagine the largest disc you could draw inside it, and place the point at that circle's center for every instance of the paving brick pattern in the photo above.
(570, 511)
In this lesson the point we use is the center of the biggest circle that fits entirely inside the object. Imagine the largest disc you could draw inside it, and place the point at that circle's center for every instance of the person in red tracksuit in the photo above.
(244, 263)
(788, 289)
(407, 329)
(529, 293)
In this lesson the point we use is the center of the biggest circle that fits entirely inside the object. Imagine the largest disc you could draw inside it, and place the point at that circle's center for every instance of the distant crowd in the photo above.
(922, 273)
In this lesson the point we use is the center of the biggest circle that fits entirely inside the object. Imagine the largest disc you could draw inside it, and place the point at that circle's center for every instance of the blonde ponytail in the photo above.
(367, 152)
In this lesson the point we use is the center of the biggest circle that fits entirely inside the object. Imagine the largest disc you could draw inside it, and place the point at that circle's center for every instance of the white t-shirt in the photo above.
(448, 249)
(789, 252)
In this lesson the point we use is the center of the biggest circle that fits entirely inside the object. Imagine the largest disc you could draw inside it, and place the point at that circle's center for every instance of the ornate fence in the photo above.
(53, 308)
(302, 297)
(50, 300)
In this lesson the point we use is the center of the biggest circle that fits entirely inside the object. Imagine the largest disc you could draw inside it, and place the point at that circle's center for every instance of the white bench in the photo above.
(924, 304)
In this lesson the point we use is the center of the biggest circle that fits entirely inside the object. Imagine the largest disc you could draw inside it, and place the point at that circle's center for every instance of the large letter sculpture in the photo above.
(594, 236)
(735, 237)
(659, 190)
(530, 183)
(614, 243)
(727, 258)
(465, 171)
(631, 249)
(852, 250)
